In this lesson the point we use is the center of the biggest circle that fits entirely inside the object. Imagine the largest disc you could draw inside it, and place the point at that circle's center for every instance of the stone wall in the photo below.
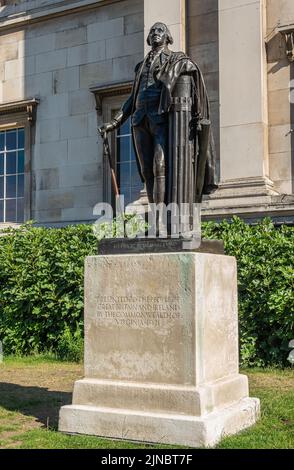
(203, 46)
(281, 112)
(57, 60)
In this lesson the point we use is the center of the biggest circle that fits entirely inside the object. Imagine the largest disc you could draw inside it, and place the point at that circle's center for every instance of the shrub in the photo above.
(265, 259)
(41, 288)
(70, 346)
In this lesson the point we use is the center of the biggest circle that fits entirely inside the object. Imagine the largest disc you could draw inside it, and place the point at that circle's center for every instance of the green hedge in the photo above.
(265, 258)
(41, 288)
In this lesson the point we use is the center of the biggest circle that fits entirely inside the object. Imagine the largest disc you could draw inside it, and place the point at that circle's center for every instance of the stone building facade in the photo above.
(67, 66)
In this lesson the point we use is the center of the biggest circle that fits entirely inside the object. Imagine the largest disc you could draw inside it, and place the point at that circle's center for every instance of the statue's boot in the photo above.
(150, 189)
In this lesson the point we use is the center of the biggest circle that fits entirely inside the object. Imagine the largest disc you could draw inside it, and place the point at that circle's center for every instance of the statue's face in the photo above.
(157, 35)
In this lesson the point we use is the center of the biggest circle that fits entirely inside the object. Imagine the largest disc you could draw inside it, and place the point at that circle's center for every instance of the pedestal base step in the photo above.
(165, 428)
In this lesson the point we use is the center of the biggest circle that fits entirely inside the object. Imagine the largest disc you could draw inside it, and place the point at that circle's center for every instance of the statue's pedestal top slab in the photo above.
(116, 246)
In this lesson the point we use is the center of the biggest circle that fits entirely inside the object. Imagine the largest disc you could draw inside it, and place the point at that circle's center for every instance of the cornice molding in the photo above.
(25, 107)
(37, 15)
(113, 89)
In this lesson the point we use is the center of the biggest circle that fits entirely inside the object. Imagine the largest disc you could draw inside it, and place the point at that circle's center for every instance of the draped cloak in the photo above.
(201, 156)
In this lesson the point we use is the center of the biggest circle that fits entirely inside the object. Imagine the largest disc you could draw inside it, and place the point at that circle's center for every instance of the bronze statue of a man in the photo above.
(170, 119)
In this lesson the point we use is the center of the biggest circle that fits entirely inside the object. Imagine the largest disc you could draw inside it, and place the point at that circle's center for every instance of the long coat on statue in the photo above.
(191, 159)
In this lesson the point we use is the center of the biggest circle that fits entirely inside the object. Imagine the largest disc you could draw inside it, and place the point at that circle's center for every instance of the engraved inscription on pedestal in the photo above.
(136, 311)
(140, 328)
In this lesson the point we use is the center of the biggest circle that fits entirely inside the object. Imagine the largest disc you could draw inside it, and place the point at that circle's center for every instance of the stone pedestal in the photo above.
(161, 351)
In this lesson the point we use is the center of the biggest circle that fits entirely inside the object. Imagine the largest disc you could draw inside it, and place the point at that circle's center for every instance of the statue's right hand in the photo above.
(107, 127)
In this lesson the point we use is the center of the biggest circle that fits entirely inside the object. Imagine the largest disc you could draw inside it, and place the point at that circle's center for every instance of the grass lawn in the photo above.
(33, 389)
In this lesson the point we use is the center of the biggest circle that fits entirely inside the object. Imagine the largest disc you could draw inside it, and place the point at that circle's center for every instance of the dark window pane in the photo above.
(11, 186)
(123, 149)
(1, 187)
(1, 164)
(128, 198)
(135, 177)
(20, 168)
(20, 186)
(127, 173)
(11, 140)
(2, 141)
(20, 210)
(10, 210)
(11, 163)
(1, 211)
(135, 193)
(124, 174)
(20, 142)
(125, 191)
(125, 128)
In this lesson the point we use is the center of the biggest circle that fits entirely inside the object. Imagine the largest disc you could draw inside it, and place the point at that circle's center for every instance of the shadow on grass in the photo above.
(39, 402)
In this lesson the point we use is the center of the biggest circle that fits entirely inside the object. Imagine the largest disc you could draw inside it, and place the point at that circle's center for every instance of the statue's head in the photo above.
(159, 35)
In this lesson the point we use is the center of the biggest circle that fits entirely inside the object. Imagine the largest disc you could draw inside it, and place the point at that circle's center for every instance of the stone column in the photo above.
(170, 12)
(244, 168)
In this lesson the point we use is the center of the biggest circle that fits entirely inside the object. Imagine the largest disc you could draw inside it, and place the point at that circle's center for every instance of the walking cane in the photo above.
(107, 154)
